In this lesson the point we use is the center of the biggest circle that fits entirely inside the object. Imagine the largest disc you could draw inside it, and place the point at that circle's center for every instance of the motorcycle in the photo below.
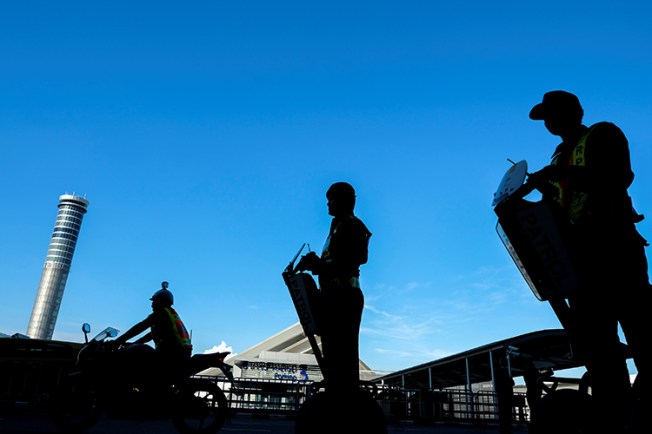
(101, 385)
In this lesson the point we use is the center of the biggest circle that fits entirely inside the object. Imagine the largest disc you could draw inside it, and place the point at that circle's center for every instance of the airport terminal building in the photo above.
(287, 355)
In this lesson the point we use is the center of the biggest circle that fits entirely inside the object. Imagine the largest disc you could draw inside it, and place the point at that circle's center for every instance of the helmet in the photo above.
(164, 297)
(342, 190)
(343, 194)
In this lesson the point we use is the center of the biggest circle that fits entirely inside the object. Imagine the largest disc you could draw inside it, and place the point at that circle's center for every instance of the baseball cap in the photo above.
(556, 101)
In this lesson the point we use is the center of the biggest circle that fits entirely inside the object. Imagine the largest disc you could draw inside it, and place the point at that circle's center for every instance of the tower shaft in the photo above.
(57, 266)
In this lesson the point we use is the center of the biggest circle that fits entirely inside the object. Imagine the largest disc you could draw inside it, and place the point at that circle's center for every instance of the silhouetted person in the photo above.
(171, 340)
(504, 384)
(341, 300)
(533, 392)
(588, 180)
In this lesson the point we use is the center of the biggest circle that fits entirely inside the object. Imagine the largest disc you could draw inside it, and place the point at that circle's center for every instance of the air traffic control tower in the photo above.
(57, 266)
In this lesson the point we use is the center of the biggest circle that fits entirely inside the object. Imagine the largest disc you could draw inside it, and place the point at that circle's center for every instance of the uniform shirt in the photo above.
(345, 249)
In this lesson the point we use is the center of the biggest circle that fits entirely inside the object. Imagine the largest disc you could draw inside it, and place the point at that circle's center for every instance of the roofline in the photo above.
(498, 345)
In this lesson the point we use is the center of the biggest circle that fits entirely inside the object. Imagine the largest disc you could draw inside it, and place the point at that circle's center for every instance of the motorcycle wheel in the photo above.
(200, 407)
(74, 406)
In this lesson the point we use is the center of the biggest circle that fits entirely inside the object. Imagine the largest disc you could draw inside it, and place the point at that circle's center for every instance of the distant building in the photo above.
(57, 266)
(287, 355)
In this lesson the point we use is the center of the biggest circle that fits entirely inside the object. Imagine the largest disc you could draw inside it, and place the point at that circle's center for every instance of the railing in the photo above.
(264, 396)
(30, 368)
(447, 405)
(29, 372)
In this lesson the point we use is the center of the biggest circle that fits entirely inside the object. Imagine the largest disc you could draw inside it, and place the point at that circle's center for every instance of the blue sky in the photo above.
(205, 135)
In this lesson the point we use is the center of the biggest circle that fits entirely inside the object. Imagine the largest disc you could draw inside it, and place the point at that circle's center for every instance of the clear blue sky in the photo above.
(205, 134)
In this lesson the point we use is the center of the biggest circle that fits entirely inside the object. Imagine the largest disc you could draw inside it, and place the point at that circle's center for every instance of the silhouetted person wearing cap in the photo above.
(341, 301)
(588, 180)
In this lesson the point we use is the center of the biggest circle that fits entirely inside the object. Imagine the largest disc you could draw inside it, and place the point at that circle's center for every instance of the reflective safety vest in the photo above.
(180, 331)
(571, 199)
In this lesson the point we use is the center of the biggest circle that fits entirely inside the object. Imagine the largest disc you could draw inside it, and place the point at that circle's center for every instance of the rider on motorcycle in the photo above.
(170, 336)
(136, 380)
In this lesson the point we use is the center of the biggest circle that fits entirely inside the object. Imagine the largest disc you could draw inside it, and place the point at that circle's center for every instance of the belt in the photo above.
(353, 282)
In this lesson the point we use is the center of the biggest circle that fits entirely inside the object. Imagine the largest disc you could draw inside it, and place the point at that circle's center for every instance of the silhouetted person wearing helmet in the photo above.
(341, 301)
(588, 181)
(171, 339)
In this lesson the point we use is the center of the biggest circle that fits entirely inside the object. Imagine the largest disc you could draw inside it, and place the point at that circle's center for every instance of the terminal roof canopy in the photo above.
(545, 349)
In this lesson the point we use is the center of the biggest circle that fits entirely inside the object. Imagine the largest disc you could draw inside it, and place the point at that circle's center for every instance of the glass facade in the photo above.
(57, 266)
